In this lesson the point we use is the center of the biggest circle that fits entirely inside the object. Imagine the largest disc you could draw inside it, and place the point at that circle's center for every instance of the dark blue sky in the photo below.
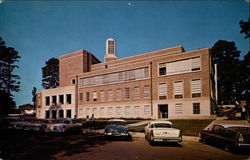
(42, 30)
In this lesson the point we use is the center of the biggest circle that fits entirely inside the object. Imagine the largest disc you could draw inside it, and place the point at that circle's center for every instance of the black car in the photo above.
(117, 129)
(229, 136)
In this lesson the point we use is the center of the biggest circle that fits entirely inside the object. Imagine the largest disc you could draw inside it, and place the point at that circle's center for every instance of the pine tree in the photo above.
(50, 74)
(9, 82)
(226, 55)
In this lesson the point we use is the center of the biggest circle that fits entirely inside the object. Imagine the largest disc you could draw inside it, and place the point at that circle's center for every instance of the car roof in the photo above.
(232, 125)
(119, 120)
(153, 122)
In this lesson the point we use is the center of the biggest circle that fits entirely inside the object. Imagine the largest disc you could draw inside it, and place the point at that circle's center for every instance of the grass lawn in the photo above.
(188, 127)
(102, 123)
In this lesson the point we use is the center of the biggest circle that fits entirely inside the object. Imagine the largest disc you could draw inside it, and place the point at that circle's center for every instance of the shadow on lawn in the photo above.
(27, 145)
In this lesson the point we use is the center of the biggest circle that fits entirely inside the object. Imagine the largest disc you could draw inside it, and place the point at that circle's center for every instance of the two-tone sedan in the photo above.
(117, 128)
(60, 125)
(162, 131)
(231, 137)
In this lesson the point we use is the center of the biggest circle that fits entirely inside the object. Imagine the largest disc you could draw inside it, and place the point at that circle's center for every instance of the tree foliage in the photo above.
(34, 96)
(50, 77)
(226, 56)
(245, 28)
(9, 82)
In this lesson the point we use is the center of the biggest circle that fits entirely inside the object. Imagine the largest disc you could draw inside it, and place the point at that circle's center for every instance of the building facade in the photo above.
(169, 83)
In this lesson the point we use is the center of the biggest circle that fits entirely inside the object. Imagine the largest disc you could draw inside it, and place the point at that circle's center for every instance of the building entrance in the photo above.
(163, 111)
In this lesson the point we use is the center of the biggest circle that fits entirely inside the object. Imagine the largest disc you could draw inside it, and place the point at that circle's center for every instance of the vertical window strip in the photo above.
(162, 91)
(136, 92)
(146, 91)
(178, 89)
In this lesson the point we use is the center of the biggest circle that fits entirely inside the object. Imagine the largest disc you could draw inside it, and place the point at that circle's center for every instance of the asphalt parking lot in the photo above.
(92, 145)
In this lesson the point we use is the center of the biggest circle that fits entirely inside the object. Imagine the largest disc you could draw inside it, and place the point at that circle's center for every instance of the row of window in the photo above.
(117, 94)
(118, 77)
(118, 111)
(136, 110)
(178, 67)
(57, 114)
(179, 89)
(57, 99)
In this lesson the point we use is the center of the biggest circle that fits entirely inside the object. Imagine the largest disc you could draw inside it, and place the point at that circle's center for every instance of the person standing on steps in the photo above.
(92, 122)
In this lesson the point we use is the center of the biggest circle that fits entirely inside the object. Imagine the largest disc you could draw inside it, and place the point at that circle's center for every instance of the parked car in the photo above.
(162, 131)
(117, 128)
(34, 125)
(231, 137)
(16, 123)
(60, 125)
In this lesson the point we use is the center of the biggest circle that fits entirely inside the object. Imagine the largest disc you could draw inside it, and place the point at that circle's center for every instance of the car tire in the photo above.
(204, 140)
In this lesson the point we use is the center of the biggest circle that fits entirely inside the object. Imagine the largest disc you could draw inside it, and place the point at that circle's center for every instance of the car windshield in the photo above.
(120, 123)
(162, 125)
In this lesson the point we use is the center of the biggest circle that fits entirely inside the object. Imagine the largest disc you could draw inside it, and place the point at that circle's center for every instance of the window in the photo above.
(178, 89)
(118, 111)
(80, 97)
(47, 99)
(68, 98)
(81, 112)
(118, 94)
(73, 81)
(95, 111)
(196, 88)
(54, 100)
(137, 110)
(178, 108)
(196, 108)
(102, 111)
(61, 115)
(127, 110)
(136, 92)
(94, 96)
(39, 101)
(102, 96)
(111, 48)
(162, 69)
(127, 95)
(118, 77)
(87, 111)
(110, 110)
(146, 91)
(87, 96)
(162, 91)
(68, 113)
(147, 110)
(61, 99)
(195, 63)
(110, 95)
(180, 66)
(47, 114)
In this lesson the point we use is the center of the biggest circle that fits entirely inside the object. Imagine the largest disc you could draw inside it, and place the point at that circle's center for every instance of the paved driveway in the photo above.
(139, 149)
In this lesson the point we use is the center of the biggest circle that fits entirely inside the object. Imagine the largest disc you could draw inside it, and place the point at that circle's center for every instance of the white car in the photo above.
(34, 125)
(162, 131)
(60, 125)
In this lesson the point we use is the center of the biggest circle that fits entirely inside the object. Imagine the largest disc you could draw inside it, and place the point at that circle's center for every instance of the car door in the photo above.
(218, 134)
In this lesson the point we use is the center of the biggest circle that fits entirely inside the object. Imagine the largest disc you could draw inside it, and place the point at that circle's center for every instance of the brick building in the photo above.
(169, 83)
